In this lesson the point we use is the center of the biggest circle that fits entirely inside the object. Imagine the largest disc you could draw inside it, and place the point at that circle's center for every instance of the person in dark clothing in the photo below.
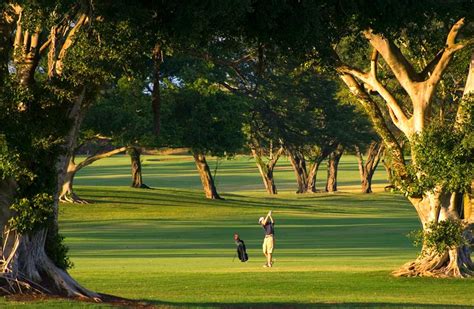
(269, 240)
(241, 250)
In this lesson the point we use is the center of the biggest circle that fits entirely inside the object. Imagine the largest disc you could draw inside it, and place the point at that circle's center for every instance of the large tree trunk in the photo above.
(453, 262)
(206, 177)
(136, 164)
(333, 163)
(367, 169)
(67, 194)
(27, 268)
(266, 169)
(314, 166)
(298, 163)
(24, 265)
(67, 191)
(313, 171)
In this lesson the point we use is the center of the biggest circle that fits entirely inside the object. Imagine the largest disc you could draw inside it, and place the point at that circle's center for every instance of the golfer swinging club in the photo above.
(267, 224)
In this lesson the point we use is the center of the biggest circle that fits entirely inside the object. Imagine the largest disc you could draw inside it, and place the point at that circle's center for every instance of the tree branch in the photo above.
(228, 87)
(430, 66)
(68, 42)
(377, 119)
(275, 158)
(396, 113)
(92, 159)
(400, 66)
(447, 54)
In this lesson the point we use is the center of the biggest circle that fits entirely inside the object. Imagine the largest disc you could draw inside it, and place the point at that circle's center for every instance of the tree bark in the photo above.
(266, 169)
(136, 164)
(206, 177)
(333, 163)
(367, 169)
(298, 163)
(313, 171)
(24, 264)
(63, 166)
(437, 206)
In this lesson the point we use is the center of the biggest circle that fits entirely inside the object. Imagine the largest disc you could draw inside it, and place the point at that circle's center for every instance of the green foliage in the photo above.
(123, 113)
(57, 250)
(444, 156)
(10, 164)
(32, 214)
(207, 120)
(440, 236)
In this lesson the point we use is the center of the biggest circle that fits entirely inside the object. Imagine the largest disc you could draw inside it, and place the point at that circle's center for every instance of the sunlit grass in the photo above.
(171, 246)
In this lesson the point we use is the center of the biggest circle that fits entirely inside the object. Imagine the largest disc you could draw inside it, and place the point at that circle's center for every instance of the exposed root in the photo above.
(26, 269)
(455, 263)
(215, 197)
(72, 198)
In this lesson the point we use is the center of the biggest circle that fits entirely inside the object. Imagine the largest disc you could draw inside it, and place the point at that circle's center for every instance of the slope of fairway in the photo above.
(170, 246)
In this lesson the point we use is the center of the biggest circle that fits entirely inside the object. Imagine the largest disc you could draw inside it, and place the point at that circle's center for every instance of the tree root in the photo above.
(26, 269)
(10, 285)
(455, 263)
(72, 198)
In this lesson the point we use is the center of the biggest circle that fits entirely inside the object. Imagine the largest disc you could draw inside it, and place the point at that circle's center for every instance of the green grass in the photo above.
(170, 246)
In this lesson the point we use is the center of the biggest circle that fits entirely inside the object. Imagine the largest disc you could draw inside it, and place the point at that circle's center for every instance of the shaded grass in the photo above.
(236, 175)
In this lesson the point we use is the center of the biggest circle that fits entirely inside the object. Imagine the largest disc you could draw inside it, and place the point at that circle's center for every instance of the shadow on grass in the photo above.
(159, 304)
(319, 202)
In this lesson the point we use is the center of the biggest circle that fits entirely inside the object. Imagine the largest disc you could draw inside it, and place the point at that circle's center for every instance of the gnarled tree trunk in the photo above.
(266, 169)
(27, 268)
(136, 164)
(206, 177)
(24, 265)
(67, 194)
(455, 261)
(306, 177)
(333, 163)
(386, 161)
(298, 162)
(366, 171)
(313, 171)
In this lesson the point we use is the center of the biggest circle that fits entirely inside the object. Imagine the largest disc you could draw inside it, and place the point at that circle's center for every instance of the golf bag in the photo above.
(241, 250)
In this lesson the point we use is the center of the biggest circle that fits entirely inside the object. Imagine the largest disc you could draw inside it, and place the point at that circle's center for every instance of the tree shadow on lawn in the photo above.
(160, 304)
(120, 302)
(325, 202)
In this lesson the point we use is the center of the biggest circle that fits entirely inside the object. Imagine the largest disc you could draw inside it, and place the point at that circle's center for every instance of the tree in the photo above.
(42, 88)
(205, 119)
(68, 195)
(435, 197)
(366, 169)
(48, 82)
(123, 114)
